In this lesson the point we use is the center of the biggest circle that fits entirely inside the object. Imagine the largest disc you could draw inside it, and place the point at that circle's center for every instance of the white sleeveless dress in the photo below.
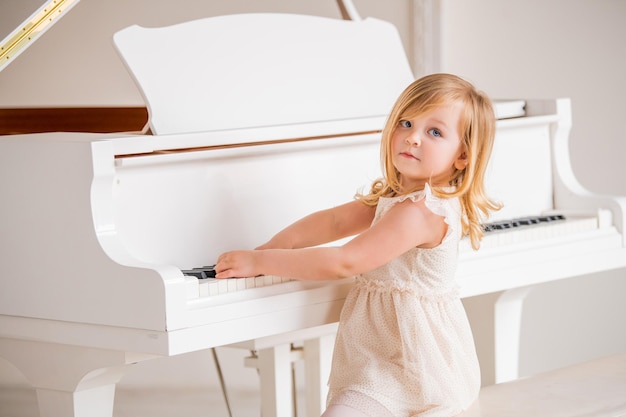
(404, 346)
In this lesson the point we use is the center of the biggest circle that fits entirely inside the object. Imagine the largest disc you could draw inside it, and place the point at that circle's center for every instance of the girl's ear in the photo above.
(461, 162)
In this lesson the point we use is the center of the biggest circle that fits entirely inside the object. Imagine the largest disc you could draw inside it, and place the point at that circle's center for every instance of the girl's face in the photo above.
(428, 148)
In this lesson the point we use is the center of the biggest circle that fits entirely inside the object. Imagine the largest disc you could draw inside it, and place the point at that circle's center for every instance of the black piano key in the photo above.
(192, 273)
(503, 225)
(201, 272)
(520, 222)
(210, 271)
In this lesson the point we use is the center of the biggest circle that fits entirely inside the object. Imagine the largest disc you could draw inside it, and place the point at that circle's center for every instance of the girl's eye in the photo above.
(434, 132)
(404, 123)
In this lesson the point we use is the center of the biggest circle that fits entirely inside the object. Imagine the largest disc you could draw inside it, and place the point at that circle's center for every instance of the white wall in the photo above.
(533, 48)
(556, 48)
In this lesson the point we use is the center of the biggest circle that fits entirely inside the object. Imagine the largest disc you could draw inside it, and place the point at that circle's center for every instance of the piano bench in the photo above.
(591, 389)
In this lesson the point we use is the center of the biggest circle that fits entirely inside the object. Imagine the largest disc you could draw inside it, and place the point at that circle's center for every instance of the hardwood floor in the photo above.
(20, 402)
(184, 385)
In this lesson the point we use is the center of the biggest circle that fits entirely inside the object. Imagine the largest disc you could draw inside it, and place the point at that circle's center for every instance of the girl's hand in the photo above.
(236, 264)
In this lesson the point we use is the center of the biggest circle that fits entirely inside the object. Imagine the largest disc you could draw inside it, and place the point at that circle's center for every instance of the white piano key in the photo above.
(214, 287)
(203, 288)
(259, 282)
(208, 287)
(222, 286)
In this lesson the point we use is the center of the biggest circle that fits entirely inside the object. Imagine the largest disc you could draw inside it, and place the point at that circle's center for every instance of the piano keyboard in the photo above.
(522, 221)
(202, 281)
(209, 286)
(531, 229)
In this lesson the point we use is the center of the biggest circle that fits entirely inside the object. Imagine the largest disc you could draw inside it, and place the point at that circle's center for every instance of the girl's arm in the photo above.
(408, 224)
(323, 227)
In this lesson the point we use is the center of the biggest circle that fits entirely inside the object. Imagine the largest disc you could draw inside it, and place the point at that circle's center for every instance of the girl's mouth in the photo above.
(409, 155)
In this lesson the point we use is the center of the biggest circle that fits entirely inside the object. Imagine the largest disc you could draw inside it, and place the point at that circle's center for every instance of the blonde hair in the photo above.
(477, 131)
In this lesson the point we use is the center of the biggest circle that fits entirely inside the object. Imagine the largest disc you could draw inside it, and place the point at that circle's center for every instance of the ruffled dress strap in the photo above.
(448, 208)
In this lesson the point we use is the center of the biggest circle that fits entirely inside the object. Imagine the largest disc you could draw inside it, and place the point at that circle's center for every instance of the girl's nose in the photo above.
(413, 140)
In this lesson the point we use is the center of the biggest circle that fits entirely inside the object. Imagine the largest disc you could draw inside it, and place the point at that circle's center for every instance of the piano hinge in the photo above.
(22, 36)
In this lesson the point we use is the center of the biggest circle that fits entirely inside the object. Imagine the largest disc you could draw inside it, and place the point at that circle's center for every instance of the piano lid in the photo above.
(24, 21)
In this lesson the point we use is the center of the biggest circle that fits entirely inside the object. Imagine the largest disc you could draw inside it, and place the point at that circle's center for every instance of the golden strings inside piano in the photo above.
(284, 118)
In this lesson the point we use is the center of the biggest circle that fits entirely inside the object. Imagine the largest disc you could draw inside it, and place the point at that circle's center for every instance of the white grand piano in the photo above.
(251, 129)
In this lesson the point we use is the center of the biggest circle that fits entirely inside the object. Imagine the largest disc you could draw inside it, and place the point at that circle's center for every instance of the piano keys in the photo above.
(506, 235)
(526, 230)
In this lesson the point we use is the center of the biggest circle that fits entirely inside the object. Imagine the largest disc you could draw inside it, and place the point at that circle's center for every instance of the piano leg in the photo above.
(70, 381)
(276, 381)
(274, 361)
(507, 329)
(274, 365)
(97, 402)
(317, 361)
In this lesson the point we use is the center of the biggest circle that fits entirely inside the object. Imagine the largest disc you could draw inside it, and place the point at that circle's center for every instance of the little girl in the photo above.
(404, 346)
